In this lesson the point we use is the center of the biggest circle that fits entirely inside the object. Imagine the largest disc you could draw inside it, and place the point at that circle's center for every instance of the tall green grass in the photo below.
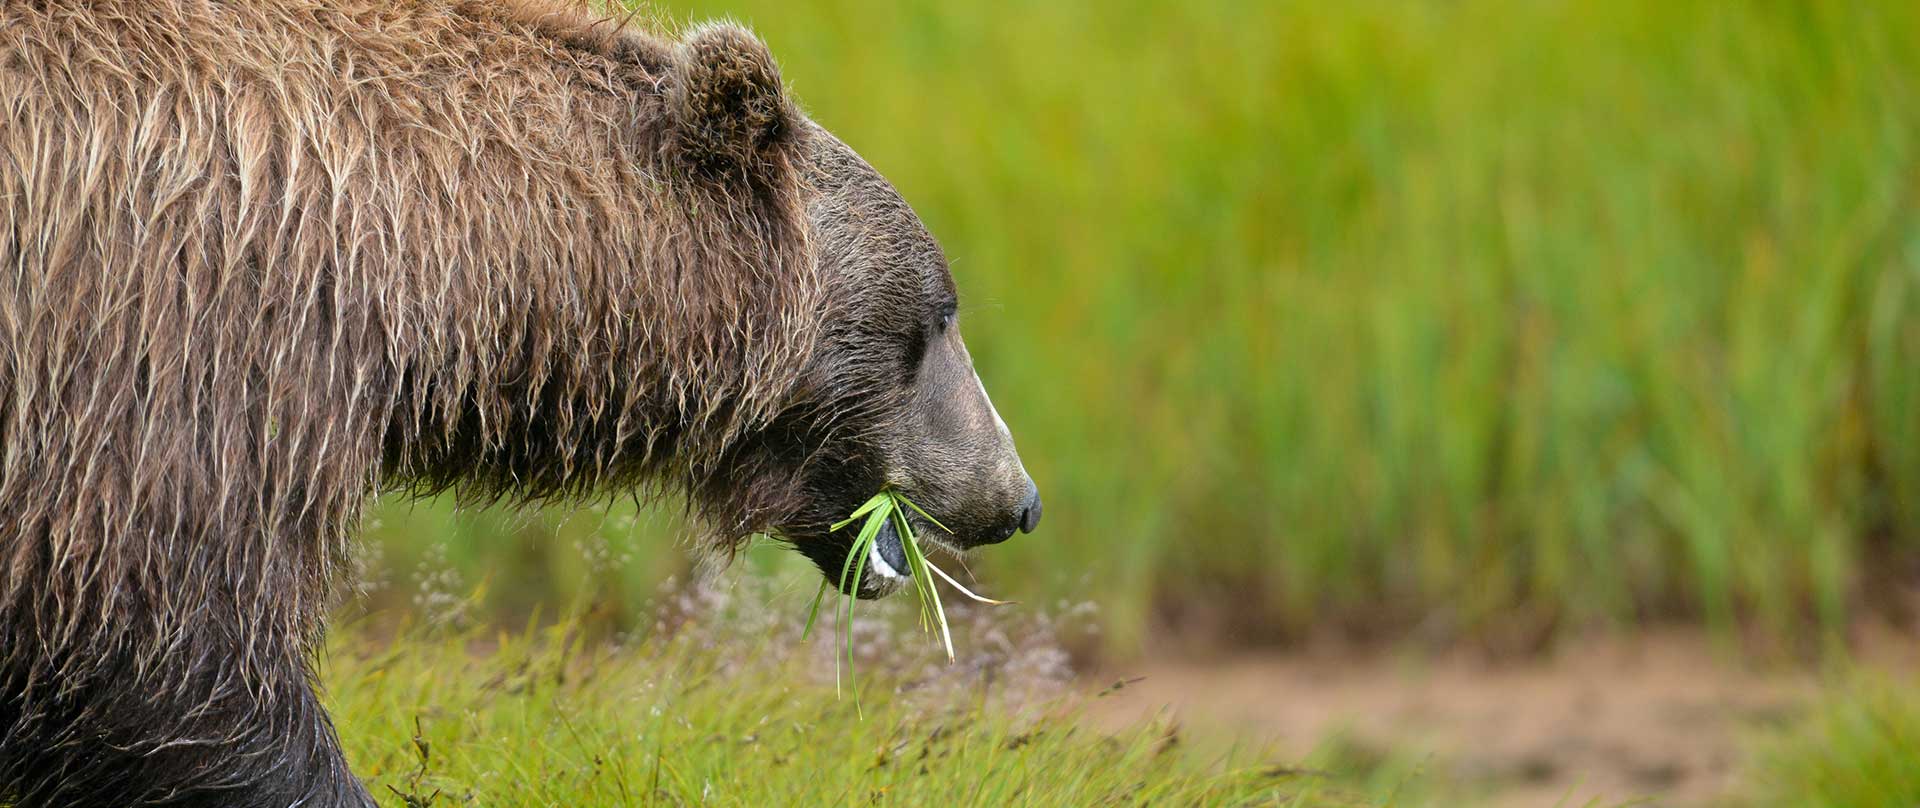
(1472, 314)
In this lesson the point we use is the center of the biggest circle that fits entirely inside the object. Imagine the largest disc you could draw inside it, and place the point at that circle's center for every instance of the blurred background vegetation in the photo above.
(1469, 319)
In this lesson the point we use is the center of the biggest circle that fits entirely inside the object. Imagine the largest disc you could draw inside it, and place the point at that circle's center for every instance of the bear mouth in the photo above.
(888, 556)
(887, 570)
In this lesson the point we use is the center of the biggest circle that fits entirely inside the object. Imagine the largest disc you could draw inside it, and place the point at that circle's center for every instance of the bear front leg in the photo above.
(201, 713)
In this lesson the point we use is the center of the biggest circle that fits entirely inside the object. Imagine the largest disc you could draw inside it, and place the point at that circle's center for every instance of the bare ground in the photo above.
(1660, 717)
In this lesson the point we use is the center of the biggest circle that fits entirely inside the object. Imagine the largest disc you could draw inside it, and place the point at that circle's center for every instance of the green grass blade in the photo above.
(917, 509)
(887, 505)
(965, 591)
(923, 582)
(875, 501)
(862, 547)
(854, 566)
(814, 612)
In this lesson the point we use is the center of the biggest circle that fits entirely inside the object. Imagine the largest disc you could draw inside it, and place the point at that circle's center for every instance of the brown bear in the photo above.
(262, 258)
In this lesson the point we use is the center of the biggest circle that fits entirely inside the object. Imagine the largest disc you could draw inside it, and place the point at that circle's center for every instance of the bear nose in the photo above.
(1030, 511)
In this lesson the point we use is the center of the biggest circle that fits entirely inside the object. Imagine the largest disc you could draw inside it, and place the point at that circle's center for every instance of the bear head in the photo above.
(910, 411)
(888, 397)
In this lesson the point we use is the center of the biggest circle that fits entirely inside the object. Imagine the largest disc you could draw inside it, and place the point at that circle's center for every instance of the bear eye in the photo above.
(916, 356)
(917, 352)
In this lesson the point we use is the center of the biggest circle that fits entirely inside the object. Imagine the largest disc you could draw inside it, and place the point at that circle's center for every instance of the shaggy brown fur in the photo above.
(256, 256)
(259, 258)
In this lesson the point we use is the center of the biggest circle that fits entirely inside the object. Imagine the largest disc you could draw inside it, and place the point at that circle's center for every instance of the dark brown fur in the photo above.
(259, 258)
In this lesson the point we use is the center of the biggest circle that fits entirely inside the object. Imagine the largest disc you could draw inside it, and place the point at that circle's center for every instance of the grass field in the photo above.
(717, 701)
(722, 704)
(1490, 316)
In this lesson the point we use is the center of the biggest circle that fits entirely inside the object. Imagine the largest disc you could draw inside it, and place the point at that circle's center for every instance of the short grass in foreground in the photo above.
(1859, 748)
(544, 718)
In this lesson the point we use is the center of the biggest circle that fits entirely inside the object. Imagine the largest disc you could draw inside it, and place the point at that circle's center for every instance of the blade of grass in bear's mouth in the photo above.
(886, 544)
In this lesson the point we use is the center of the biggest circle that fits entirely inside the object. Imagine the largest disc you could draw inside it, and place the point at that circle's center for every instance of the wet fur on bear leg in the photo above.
(199, 732)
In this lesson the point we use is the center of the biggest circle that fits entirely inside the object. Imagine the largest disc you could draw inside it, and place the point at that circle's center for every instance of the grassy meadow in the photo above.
(721, 703)
(1485, 318)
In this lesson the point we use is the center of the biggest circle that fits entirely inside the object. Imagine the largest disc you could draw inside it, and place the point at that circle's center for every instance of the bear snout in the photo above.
(1030, 510)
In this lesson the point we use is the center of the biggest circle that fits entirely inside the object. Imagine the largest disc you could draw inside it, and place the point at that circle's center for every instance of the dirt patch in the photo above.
(1660, 716)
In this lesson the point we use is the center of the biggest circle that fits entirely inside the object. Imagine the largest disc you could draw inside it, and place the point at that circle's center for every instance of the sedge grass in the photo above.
(889, 506)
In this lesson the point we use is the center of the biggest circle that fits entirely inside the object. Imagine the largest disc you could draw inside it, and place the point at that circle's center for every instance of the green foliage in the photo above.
(1460, 312)
(712, 718)
(885, 506)
(1859, 748)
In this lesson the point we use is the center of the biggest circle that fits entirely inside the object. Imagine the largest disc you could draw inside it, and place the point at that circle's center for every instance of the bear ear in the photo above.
(729, 111)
